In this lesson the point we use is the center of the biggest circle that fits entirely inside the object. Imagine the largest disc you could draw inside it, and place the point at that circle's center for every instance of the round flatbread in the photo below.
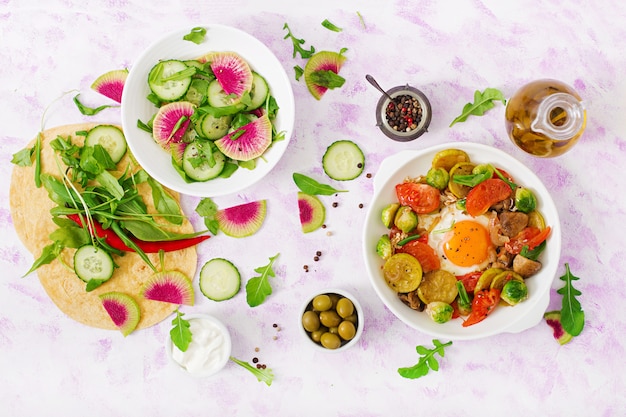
(30, 211)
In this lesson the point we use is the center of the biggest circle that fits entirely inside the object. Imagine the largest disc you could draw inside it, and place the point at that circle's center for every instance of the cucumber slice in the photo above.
(110, 138)
(212, 127)
(343, 160)
(219, 279)
(197, 91)
(217, 97)
(197, 166)
(173, 89)
(94, 263)
(259, 91)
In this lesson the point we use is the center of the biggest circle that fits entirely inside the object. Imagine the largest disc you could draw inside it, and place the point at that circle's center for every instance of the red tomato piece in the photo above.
(485, 195)
(422, 198)
(530, 236)
(482, 305)
(469, 280)
(426, 255)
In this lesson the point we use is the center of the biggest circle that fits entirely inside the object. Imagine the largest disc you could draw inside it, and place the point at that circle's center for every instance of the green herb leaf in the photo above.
(297, 45)
(327, 78)
(48, 254)
(180, 334)
(572, 315)
(258, 288)
(312, 187)
(208, 209)
(165, 204)
(23, 158)
(361, 20)
(196, 35)
(94, 283)
(328, 25)
(90, 111)
(262, 375)
(482, 103)
(427, 361)
(298, 71)
(111, 184)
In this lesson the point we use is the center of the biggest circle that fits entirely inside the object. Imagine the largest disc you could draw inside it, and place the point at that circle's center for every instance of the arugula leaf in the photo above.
(328, 25)
(361, 20)
(90, 111)
(196, 35)
(23, 158)
(572, 315)
(262, 375)
(327, 78)
(48, 254)
(426, 362)
(297, 48)
(298, 71)
(312, 187)
(482, 103)
(208, 209)
(258, 288)
(165, 204)
(180, 334)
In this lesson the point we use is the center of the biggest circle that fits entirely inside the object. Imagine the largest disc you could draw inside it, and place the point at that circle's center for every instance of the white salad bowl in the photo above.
(504, 319)
(135, 106)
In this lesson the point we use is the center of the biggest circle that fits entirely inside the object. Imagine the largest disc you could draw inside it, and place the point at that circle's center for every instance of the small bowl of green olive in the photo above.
(332, 320)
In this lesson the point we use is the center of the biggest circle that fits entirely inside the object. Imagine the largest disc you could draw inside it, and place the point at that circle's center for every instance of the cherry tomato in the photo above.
(485, 195)
(482, 305)
(469, 280)
(422, 198)
(426, 255)
(530, 236)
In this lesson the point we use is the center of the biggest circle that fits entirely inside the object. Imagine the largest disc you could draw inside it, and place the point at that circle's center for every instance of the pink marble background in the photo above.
(50, 365)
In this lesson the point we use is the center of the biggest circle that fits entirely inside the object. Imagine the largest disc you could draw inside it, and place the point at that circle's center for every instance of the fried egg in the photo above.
(462, 242)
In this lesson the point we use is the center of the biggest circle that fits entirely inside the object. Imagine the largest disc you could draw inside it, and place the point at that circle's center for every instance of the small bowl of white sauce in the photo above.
(209, 350)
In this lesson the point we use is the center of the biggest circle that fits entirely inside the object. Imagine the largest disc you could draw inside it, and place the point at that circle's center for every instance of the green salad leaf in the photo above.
(262, 374)
(311, 186)
(327, 78)
(180, 334)
(427, 361)
(207, 209)
(90, 111)
(330, 26)
(258, 288)
(482, 103)
(297, 45)
(196, 35)
(572, 314)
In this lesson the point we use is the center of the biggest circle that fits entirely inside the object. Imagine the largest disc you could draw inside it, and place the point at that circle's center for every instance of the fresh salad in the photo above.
(463, 239)
(214, 114)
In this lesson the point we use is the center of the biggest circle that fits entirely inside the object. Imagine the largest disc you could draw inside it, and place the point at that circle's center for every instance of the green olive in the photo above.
(345, 308)
(330, 318)
(310, 321)
(347, 330)
(334, 330)
(316, 336)
(334, 298)
(352, 318)
(330, 341)
(322, 302)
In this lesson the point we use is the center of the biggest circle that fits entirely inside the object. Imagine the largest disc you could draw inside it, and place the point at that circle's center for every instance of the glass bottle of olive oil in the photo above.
(545, 118)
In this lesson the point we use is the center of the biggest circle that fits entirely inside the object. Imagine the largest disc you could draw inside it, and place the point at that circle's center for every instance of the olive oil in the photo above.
(545, 118)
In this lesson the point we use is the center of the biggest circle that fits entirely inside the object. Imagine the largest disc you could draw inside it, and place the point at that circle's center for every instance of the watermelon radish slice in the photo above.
(553, 319)
(123, 310)
(312, 212)
(111, 84)
(321, 61)
(171, 122)
(231, 71)
(169, 287)
(242, 220)
(249, 141)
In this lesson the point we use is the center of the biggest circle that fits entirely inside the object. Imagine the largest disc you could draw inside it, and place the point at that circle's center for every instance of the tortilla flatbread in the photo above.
(30, 211)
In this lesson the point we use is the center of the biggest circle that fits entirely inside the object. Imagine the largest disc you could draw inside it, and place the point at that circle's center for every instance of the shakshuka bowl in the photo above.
(503, 319)
(135, 106)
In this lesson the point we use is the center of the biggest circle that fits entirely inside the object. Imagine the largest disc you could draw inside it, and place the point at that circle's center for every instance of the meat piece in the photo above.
(412, 300)
(525, 267)
(513, 222)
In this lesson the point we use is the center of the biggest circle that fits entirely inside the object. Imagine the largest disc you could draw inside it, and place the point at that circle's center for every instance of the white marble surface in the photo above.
(50, 365)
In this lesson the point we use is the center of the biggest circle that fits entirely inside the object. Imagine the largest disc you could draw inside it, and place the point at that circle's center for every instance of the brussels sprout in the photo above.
(438, 178)
(460, 204)
(383, 247)
(389, 213)
(485, 170)
(439, 311)
(514, 292)
(406, 219)
(525, 200)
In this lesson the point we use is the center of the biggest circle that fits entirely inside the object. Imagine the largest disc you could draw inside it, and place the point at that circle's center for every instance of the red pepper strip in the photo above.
(115, 242)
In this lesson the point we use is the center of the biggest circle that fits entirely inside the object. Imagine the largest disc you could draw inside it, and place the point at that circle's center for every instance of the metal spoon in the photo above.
(378, 87)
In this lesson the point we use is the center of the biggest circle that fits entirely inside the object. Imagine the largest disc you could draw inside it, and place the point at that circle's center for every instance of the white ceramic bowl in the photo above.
(394, 170)
(219, 356)
(135, 106)
(359, 327)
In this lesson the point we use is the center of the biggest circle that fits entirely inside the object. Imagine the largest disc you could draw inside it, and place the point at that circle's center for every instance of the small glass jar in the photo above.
(545, 118)
(407, 126)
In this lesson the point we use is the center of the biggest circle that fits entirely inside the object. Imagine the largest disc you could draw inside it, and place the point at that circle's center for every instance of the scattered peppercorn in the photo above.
(361, 205)
(404, 113)
(255, 360)
(368, 175)
(274, 325)
(318, 253)
(316, 258)
(335, 204)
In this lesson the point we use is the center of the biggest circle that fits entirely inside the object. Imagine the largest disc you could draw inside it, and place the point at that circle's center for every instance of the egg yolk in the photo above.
(468, 243)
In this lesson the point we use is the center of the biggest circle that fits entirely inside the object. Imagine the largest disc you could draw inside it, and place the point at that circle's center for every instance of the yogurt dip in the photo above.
(210, 346)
